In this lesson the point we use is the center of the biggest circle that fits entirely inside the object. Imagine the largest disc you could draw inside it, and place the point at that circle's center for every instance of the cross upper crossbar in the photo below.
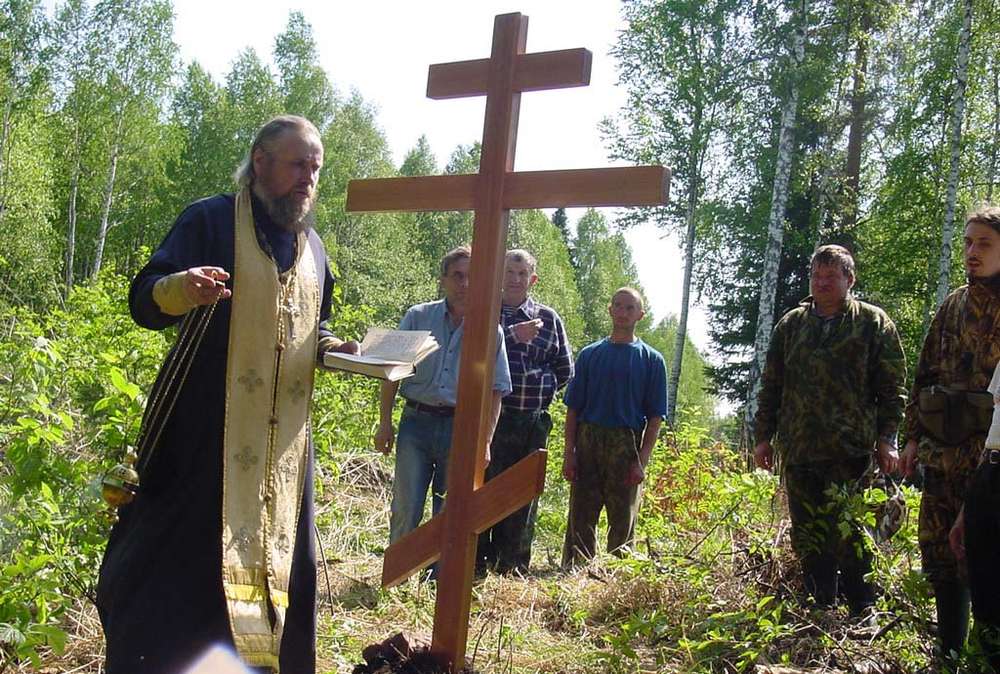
(532, 72)
(470, 507)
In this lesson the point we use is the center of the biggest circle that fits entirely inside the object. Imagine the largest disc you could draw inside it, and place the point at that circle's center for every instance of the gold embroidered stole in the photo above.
(269, 382)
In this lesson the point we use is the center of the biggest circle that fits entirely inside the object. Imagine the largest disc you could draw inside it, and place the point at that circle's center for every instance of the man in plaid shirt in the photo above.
(541, 363)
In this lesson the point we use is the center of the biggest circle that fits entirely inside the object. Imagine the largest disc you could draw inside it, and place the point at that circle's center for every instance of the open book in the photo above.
(385, 354)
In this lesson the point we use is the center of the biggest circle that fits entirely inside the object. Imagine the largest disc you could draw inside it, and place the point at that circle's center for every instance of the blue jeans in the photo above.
(422, 448)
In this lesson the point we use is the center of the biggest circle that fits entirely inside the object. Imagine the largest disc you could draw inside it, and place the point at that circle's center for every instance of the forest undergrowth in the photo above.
(712, 584)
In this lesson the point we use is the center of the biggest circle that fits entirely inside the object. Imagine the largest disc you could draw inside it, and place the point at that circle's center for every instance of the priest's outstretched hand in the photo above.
(205, 285)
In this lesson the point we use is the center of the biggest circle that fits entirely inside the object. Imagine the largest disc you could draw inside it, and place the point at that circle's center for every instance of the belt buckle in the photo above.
(993, 457)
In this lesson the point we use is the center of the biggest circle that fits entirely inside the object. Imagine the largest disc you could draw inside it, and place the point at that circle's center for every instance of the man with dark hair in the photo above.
(541, 363)
(217, 546)
(424, 441)
(946, 423)
(614, 407)
(831, 395)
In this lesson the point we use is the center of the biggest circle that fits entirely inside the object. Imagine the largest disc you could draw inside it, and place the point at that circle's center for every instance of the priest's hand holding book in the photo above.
(350, 347)
(384, 354)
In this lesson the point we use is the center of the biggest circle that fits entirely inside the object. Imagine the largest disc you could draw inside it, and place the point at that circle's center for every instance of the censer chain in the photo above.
(192, 331)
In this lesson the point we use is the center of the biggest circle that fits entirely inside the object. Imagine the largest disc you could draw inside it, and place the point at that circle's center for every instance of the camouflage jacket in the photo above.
(831, 388)
(961, 349)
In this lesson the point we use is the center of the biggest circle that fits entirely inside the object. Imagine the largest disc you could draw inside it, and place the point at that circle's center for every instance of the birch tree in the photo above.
(779, 196)
(138, 64)
(955, 144)
(991, 174)
(683, 63)
(78, 96)
(27, 247)
(23, 74)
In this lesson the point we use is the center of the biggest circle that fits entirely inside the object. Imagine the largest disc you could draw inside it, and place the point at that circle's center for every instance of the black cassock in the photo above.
(160, 594)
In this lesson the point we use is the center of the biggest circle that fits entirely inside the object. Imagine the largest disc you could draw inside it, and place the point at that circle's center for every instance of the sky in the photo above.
(382, 48)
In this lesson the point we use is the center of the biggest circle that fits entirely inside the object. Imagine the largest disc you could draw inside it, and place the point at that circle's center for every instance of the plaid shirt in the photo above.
(540, 367)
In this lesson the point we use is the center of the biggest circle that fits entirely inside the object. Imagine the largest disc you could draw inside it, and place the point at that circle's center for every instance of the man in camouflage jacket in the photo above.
(960, 351)
(832, 393)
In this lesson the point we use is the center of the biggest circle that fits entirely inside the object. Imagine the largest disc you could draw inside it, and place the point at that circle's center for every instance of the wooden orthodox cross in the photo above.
(470, 506)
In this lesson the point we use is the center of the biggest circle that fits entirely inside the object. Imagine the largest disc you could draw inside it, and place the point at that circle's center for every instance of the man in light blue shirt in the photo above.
(424, 439)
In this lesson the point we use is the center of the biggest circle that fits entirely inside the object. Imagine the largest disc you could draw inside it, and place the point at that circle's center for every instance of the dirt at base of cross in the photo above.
(403, 654)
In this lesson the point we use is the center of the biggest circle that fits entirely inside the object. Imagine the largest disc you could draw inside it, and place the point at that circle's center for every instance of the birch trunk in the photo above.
(5, 127)
(856, 134)
(957, 114)
(776, 221)
(992, 175)
(109, 190)
(71, 223)
(673, 383)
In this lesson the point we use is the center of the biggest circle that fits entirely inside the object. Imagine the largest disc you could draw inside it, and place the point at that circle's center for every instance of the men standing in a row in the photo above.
(948, 415)
(541, 363)
(832, 393)
(614, 407)
(424, 440)
(217, 547)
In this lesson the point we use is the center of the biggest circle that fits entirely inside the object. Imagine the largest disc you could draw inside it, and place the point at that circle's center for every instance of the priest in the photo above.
(217, 546)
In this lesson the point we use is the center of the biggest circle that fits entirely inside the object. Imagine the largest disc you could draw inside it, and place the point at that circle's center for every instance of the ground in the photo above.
(712, 586)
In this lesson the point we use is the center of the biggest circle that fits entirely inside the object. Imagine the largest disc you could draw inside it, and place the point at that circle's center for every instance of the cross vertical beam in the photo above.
(471, 506)
(475, 386)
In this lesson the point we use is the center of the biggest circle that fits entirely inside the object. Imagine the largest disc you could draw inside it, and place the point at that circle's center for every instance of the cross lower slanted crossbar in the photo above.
(490, 503)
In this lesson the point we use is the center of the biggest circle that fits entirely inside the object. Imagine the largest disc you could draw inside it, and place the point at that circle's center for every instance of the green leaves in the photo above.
(123, 385)
(25, 609)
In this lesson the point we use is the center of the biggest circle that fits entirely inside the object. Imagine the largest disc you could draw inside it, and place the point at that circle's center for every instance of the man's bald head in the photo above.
(628, 290)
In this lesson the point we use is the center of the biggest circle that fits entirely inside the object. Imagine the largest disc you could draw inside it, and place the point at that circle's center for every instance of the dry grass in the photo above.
(551, 621)
(84, 652)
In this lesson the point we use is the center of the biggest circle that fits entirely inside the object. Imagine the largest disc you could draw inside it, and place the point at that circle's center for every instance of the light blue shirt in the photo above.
(436, 378)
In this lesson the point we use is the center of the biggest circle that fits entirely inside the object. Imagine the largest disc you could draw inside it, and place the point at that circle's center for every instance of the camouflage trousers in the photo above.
(947, 475)
(506, 545)
(943, 495)
(604, 457)
(818, 537)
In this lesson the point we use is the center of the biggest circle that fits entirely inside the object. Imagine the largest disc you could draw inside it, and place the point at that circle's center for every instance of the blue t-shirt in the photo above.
(618, 385)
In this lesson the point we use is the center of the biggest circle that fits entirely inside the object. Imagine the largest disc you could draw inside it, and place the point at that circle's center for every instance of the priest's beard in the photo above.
(286, 211)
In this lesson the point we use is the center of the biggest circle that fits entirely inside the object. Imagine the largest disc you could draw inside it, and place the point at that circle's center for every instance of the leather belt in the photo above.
(433, 410)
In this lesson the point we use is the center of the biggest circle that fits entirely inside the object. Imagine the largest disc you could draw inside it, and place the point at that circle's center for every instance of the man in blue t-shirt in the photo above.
(615, 405)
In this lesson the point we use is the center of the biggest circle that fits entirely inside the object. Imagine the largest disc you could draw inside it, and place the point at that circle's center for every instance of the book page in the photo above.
(397, 345)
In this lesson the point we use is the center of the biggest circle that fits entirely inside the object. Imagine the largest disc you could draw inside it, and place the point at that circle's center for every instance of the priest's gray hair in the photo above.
(267, 138)
(522, 256)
